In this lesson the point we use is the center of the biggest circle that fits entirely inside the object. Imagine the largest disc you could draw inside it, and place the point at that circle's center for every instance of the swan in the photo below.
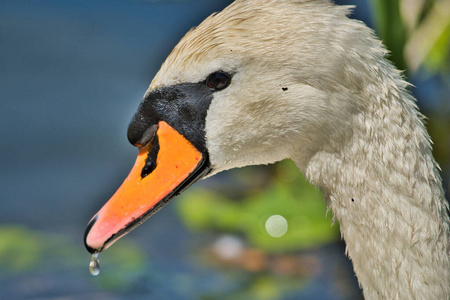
(267, 80)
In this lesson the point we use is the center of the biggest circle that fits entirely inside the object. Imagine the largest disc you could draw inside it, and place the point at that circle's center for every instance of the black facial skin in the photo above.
(182, 106)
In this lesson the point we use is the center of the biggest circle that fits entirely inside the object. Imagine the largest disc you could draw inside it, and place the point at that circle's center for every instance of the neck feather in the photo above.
(385, 191)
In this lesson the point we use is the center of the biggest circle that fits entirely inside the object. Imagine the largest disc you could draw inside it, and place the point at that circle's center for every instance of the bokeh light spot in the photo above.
(276, 226)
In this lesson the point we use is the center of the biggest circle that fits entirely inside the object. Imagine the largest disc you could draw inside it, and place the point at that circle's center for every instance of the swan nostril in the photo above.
(147, 169)
(150, 162)
(140, 134)
(148, 135)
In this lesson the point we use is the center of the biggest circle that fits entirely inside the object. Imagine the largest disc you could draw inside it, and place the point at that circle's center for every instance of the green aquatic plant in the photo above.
(416, 32)
(20, 249)
(287, 195)
(25, 251)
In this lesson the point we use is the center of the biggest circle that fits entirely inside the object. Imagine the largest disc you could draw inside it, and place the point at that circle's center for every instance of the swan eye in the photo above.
(218, 80)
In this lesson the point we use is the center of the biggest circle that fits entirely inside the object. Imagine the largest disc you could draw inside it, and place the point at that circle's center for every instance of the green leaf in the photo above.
(391, 28)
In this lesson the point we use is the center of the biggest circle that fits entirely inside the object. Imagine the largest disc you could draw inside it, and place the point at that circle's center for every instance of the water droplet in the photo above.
(94, 265)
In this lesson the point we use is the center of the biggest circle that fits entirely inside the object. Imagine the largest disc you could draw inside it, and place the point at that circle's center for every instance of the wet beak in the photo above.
(166, 166)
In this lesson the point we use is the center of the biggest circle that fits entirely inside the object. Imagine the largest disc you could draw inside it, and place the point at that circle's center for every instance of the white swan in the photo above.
(266, 80)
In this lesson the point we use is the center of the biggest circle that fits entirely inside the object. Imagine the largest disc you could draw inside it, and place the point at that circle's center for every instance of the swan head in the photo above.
(289, 80)
(256, 83)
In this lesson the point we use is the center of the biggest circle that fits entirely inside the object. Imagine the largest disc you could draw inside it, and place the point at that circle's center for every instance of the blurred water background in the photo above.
(72, 74)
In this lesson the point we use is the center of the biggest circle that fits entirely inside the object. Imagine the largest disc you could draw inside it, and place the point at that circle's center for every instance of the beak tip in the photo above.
(86, 233)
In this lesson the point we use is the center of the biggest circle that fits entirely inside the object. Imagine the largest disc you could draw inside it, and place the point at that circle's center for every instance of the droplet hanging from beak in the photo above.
(94, 265)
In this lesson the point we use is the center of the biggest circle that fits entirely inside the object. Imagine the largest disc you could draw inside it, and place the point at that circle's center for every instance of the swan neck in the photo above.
(385, 191)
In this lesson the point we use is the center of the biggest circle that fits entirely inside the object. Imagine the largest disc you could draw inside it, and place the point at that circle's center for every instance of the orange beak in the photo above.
(148, 187)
